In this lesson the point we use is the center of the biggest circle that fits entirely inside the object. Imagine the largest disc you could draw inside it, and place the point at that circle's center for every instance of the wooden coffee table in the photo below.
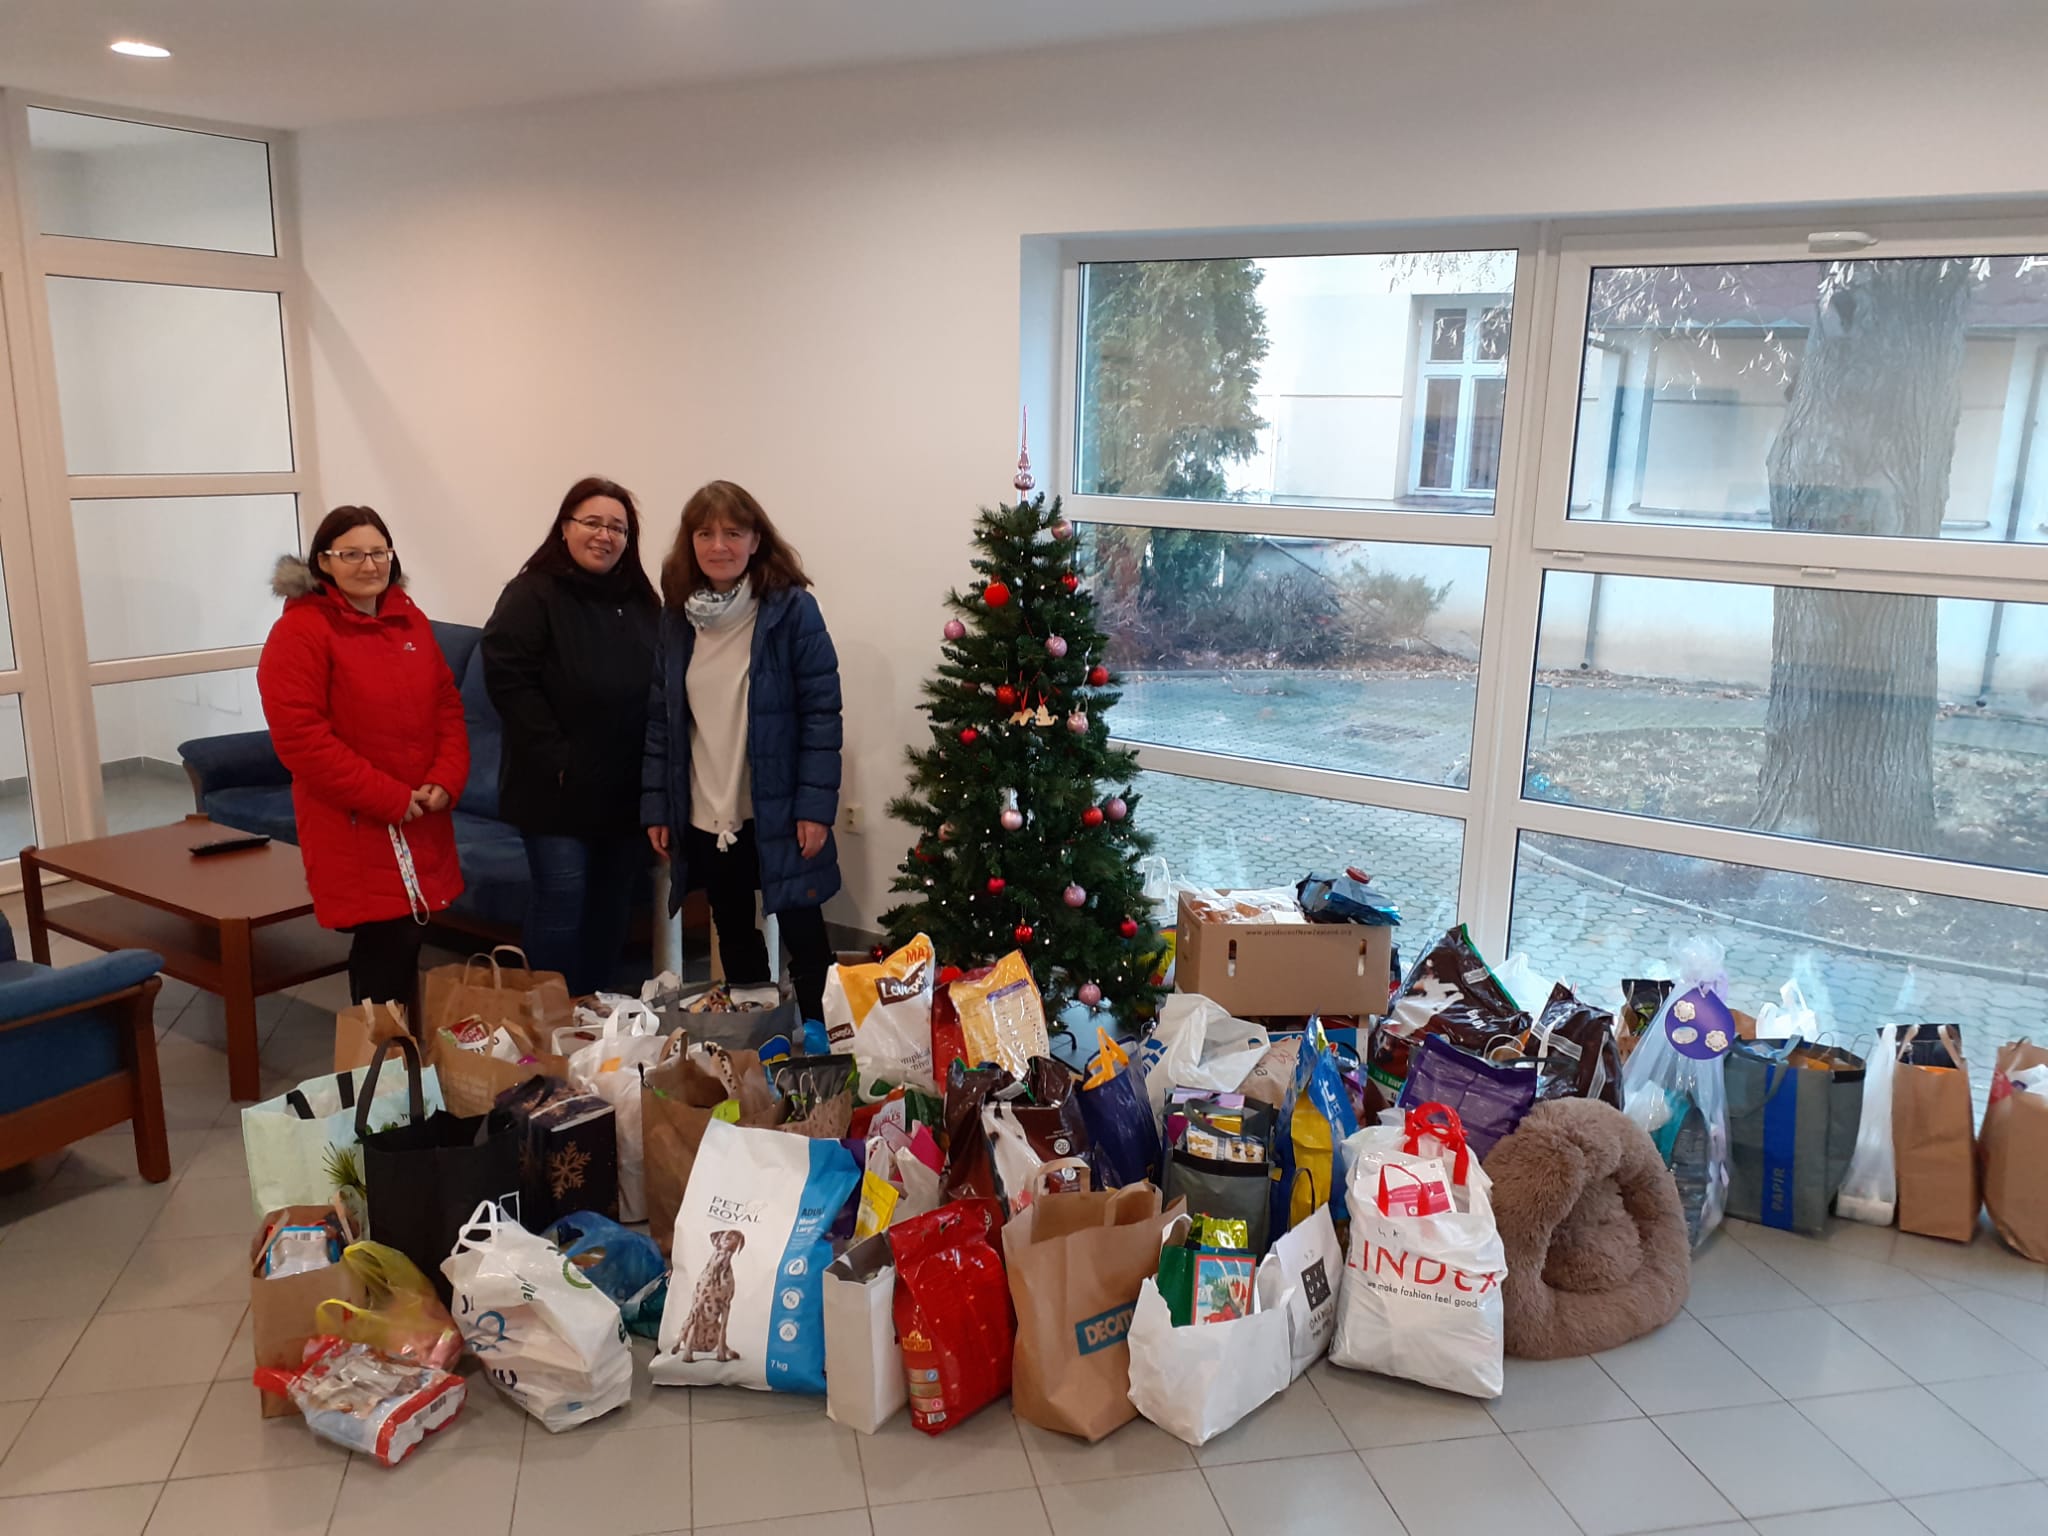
(238, 925)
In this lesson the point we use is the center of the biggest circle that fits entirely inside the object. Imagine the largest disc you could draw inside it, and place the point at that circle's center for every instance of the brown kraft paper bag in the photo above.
(359, 1030)
(676, 1103)
(2013, 1146)
(1931, 1136)
(281, 1310)
(534, 1004)
(471, 1080)
(1076, 1263)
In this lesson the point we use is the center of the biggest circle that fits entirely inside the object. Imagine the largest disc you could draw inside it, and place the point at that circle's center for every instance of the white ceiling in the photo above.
(293, 63)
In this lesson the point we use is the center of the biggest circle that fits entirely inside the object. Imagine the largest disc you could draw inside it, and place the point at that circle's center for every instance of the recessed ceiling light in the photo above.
(136, 50)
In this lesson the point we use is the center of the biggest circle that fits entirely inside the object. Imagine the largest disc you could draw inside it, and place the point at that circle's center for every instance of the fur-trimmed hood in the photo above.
(294, 577)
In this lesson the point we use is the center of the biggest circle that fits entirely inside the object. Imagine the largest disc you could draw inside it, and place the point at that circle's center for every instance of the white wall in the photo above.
(813, 286)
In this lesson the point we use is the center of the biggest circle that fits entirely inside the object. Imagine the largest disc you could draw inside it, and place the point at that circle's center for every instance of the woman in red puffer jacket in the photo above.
(364, 714)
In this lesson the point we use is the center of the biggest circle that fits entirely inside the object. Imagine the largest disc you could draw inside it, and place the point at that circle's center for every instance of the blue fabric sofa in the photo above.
(78, 1055)
(238, 781)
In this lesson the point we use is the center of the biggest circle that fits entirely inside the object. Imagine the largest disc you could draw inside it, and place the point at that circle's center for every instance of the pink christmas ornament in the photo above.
(1013, 821)
(1074, 896)
(955, 630)
(1089, 993)
(1062, 529)
(1077, 722)
(1024, 482)
(1116, 809)
(1055, 647)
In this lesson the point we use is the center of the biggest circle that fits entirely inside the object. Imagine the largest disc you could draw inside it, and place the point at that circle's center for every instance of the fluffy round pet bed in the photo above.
(1595, 1236)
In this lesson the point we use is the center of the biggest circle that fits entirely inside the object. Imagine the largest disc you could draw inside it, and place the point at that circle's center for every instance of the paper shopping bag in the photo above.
(1932, 1137)
(282, 1308)
(1076, 1262)
(532, 1004)
(677, 1103)
(2014, 1148)
(864, 1381)
(472, 1082)
(360, 1029)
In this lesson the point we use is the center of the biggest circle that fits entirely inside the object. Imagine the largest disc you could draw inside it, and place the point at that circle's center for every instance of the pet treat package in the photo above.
(1002, 1017)
(953, 1312)
(365, 1401)
(752, 1240)
(1450, 991)
(882, 1013)
(1673, 1085)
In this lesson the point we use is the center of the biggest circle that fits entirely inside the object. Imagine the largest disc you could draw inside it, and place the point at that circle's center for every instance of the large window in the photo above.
(1753, 642)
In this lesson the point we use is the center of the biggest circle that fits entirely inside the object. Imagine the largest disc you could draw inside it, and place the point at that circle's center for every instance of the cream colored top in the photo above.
(721, 787)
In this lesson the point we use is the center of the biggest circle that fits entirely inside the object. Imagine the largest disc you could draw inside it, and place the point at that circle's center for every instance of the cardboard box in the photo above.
(281, 1310)
(1284, 969)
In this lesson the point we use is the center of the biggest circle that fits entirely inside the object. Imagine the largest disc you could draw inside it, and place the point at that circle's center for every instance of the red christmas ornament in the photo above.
(1097, 676)
(995, 594)
(1128, 928)
(1092, 817)
(1070, 581)
(969, 736)
(880, 952)
(1024, 931)
(1006, 696)
(996, 884)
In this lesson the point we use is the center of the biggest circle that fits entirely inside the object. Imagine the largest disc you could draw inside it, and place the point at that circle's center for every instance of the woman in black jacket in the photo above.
(568, 658)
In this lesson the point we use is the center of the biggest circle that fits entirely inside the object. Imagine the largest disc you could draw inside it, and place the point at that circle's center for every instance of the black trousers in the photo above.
(384, 963)
(729, 881)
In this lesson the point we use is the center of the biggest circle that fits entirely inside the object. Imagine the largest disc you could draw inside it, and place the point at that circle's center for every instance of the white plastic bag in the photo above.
(1789, 1018)
(550, 1340)
(1196, 1382)
(1870, 1189)
(1679, 1096)
(1522, 982)
(1421, 1297)
(609, 1067)
(1197, 1044)
(1311, 1262)
(752, 1238)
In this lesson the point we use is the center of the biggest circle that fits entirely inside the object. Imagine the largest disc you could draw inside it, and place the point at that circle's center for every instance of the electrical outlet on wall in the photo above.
(851, 819)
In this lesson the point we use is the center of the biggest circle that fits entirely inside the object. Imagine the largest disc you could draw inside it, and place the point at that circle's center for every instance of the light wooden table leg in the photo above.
(238, 997)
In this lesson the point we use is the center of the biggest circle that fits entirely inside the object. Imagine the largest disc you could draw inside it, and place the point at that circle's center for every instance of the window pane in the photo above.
(1897, 398)
(1233, 835)
(1494, 327)
(17, 808)
(1330, 653)
(1289, 380)
(1908, 723)
(141, 561)
(140, 727)
(155, 379)
(1447, 337)
(1595, 913)
(1482, 458)
(104, 179)
(1439, 435)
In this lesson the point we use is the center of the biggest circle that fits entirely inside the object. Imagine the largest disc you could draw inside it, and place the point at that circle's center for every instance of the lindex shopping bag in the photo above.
(1793, 1111)
(425, 1177)
(1932, 1137)
(1076, 1262)
(2014, 1148)
(533, 1004)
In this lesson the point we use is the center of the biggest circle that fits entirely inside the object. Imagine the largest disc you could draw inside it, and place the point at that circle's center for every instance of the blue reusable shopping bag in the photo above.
(624, 1264)
(1123, 1138)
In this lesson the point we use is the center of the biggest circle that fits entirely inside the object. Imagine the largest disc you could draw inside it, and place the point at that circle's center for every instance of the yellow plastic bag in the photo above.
(403, 1317)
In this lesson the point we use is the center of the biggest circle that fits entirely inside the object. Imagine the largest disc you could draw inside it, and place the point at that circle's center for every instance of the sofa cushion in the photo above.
(40, 1061)
(254, 809)
(494, 871)
(486, 739)
(458, 643)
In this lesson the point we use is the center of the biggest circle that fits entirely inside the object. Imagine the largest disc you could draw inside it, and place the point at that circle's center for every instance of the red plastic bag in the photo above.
(953, 1312)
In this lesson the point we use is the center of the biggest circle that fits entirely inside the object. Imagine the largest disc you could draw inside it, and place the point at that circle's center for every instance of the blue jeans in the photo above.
(581, 904)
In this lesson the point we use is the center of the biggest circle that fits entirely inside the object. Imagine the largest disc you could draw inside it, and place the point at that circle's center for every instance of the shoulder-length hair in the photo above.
(553, 554)
(345, 520)
(775, 563)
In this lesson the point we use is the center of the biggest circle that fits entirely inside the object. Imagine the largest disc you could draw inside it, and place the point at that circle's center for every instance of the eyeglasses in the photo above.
(355, 557)
(595, 525)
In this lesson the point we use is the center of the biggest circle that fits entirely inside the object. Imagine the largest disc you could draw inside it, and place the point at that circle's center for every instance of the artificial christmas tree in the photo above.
(1023, 811)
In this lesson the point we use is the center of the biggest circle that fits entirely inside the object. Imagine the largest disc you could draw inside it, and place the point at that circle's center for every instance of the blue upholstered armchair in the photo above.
(78, 1054)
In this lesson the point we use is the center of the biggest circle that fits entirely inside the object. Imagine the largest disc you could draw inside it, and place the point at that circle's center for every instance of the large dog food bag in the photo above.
(746, 1294)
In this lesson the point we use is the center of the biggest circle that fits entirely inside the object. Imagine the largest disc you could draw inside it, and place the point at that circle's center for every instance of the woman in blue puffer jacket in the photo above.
(739, 783)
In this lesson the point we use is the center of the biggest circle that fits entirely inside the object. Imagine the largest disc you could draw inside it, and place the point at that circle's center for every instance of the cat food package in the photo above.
(745, 1301)
(1002, 1017)
(1450, 991)
(953, 1312)
(882, 1013)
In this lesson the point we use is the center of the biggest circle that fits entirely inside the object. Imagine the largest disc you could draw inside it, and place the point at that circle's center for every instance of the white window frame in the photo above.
(63, 748)
(1530, 535)
(1467, 369)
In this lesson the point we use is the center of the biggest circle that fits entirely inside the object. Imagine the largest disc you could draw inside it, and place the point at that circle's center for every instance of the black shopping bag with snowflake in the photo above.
(568, 1151)
(424, 1178)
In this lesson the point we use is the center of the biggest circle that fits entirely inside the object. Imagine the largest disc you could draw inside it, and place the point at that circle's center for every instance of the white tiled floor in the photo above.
(1860, 1384)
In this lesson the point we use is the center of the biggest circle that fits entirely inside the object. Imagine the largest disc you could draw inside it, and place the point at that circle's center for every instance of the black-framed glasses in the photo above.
(597, 525)
(355, 557)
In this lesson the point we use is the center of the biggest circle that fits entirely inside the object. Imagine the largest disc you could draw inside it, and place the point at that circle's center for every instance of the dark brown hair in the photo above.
(775, 564)
(629, 577)
(344, 520)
